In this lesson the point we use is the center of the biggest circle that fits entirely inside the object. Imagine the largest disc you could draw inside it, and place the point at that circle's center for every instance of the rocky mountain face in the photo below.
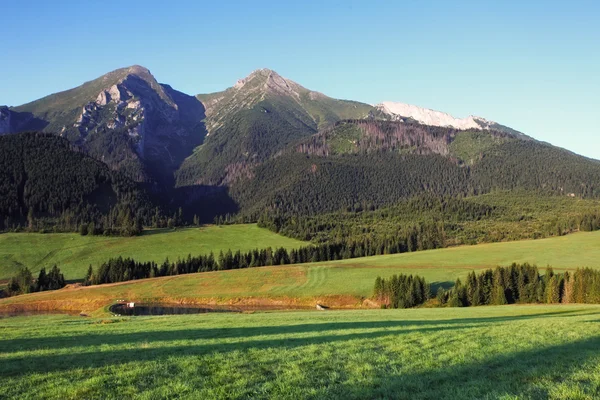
(126, 119)
(152, 132)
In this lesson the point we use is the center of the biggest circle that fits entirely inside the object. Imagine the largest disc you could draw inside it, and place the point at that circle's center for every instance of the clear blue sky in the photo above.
(531, 65)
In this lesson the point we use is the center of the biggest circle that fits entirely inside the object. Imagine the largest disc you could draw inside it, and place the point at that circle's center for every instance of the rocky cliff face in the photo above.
(123, 116)
(401, 111)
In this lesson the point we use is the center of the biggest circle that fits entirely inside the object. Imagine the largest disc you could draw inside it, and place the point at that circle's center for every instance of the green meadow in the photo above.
(507, 352)
(73, 253)
(330, 281)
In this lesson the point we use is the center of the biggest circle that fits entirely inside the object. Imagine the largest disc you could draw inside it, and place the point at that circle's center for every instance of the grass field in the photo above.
(338, 283)
(508, 352)
(73, 253)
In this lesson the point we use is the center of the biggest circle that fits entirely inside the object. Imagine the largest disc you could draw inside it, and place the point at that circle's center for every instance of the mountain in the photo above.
(367, 164)
(253, 120)
(48, 183)
(124, 118)
(269, 144)
(400, 111)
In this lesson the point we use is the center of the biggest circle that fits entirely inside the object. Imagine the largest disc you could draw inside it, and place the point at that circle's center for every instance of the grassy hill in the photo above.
(503, 352)
(73, 253)
(337, 283)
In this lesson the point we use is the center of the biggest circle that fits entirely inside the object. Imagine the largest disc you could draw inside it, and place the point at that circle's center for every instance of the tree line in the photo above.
(516, 284)
(522, 283)
(124, 269)
(450, 220)
(23, 282)
(401, 291)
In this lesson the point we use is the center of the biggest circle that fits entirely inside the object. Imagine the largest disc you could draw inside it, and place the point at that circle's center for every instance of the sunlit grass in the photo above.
(486, 352)
(74, 253)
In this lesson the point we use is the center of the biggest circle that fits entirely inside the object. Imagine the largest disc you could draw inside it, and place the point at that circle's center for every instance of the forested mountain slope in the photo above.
(253, 120)
(268, 144)
(47, 183)
(365, 164)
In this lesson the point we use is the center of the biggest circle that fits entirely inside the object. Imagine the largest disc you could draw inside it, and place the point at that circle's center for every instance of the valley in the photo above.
(311, 219)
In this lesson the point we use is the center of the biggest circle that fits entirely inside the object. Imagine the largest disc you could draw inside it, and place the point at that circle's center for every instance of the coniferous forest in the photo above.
(516, 284)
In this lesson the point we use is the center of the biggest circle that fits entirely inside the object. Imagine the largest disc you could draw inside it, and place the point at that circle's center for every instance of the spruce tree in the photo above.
(88, 276)
(42, 281)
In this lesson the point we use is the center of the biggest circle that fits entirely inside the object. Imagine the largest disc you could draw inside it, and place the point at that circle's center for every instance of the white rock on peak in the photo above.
(432, 117)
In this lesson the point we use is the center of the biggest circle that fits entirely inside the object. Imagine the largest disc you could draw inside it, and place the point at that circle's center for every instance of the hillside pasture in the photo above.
(73, 253)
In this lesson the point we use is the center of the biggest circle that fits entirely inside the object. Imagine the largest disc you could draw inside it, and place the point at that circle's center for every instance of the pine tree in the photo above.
(42, 281)
(499, 296)
(88, 276)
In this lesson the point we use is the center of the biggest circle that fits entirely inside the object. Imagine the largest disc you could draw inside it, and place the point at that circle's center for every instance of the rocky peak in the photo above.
(269, 82)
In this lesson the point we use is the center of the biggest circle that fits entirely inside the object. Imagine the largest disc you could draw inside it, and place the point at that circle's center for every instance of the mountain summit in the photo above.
(314, 108)
(124, 118)
(254, 119)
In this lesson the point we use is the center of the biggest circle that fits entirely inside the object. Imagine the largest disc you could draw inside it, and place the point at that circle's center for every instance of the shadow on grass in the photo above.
(531, 374)
(65, 362)
(40, 363)
(111, 338)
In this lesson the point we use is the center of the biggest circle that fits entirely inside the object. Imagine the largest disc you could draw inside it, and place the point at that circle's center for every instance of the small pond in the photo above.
(175, 309)
(165, 309)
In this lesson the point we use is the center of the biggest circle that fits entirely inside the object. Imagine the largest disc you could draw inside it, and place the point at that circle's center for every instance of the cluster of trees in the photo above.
(522, 283)
(47, 184)
(421, 213)
(401, 291)
(297, 184)
(23, 282)
(444, 220)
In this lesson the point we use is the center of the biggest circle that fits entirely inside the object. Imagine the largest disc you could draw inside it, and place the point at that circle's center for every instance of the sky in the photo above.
(530, 65)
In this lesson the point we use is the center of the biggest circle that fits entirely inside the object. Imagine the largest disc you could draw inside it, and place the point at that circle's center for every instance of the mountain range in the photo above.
(133, 123)
(270, 143)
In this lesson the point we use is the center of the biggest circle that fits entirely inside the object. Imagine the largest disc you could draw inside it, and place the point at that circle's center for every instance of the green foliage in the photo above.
(401, 291)
(21, 283)
(522, 283)
(46, 184)
(537, 166)
(453, 221)
(470, 146)
(296, 184)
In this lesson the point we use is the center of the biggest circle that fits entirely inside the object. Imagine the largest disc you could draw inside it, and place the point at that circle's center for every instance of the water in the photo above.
(170, 309)
(165, 309)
